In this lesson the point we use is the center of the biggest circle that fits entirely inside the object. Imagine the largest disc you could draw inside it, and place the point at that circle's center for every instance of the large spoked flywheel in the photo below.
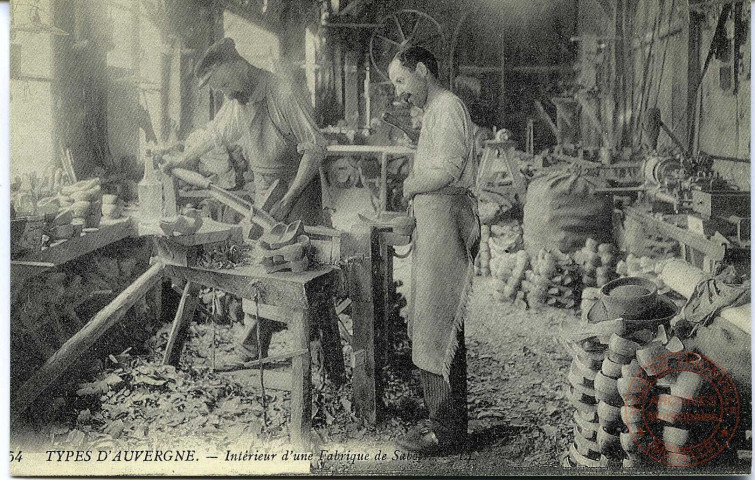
(403, 28)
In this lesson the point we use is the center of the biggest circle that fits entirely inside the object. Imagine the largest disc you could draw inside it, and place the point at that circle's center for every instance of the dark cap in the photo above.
(219, 52)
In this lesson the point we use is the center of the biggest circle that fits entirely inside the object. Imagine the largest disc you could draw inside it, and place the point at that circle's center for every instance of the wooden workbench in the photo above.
(698, 250)
(109, 231)
(282, 296)
(286, 297)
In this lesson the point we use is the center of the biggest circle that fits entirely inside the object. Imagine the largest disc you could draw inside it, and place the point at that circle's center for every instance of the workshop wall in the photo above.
(654, 75)
(530, 40)
(660, 48)
(80, 91)
(725, 116)
(663, 77)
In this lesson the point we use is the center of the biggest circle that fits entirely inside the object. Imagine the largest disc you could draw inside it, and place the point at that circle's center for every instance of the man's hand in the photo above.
(280, 210)
(409, 188)
(171, 162)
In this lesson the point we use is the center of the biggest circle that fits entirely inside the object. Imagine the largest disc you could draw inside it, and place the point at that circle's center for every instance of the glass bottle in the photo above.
(150, 193)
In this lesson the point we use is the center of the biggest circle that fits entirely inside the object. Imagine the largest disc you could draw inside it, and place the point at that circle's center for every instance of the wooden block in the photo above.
(326, 244)
(708, 226)
(170, 192)
(280, 314)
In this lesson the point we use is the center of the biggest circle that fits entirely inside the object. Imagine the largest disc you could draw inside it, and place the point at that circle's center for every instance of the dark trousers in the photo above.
(447, 402)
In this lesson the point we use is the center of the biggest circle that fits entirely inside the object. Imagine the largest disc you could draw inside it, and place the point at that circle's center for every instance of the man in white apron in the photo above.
(446, 240)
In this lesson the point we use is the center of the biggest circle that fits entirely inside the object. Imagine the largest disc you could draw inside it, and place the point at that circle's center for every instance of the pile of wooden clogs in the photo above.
(509, 273)
(284, 247)
(497, 242)
(112, 207)
(598, 263)
(645, 267)
(84, 198)
(586, 364)
(610, 369)
(76, 207)
(551, 278)
(554, 280)
(482, 262)
(668, 398)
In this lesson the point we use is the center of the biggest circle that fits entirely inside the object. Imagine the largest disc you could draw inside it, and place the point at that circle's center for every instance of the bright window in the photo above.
(259, 46)
(31, 123)
(134, 67)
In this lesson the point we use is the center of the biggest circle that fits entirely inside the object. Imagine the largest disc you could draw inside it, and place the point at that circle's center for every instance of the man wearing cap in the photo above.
(279, 137)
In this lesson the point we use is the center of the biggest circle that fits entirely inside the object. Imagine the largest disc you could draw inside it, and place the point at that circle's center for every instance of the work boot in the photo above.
(423, 440)
(247, 351)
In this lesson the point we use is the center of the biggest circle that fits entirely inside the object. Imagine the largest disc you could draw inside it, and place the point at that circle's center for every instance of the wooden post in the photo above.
(77, 345)
(351, 89)
(693, 74)
(385, 282)
(184, 314)
(502, 86)
(358, 246)
(301, 388)
(331, 340)
(383, 182)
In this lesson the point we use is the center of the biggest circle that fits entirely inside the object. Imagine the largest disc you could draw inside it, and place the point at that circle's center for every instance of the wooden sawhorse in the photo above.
(283, 296)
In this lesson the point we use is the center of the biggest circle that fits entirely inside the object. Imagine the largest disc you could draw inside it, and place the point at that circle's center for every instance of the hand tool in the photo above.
(394, 121)
(253, 213)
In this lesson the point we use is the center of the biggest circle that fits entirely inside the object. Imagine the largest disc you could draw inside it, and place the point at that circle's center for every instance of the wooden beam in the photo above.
(383, 182)
(334, 150)
(183, 317)
(385, 299)
(541, 69)
(693, 73)
(697, 242)
(300, 425)
(546, 118)
(60, 361)
(502, 94)
(351, 88)
(284, 289)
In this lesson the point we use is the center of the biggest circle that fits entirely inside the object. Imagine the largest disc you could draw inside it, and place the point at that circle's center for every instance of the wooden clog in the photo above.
(296, 266)
(281, 235)
(287, 253)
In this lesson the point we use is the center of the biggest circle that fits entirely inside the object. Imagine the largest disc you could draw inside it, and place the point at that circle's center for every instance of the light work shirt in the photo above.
(272, 128)
(446, 141)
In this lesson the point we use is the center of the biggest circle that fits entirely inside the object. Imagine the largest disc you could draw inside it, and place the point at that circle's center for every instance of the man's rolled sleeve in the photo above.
(449, 139)
(298, 116)
(227, 126)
